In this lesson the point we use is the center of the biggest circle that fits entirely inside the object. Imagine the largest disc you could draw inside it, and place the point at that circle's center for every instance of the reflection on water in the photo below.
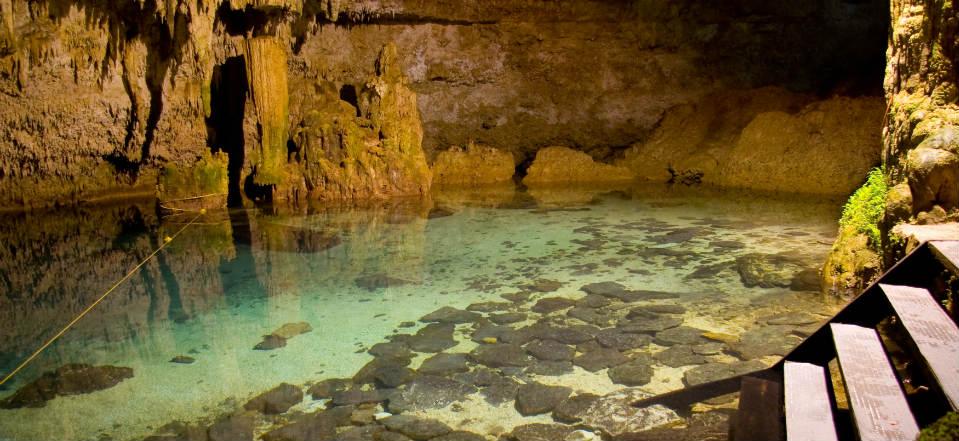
(356, 274)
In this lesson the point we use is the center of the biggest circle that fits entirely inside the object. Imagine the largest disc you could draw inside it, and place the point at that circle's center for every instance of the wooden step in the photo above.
(759, 417)
(934, 333)
(879, 408)
(948, 253)
(808, 407)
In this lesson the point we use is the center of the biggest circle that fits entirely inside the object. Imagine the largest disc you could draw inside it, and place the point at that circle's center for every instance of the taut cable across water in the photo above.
(76, 319)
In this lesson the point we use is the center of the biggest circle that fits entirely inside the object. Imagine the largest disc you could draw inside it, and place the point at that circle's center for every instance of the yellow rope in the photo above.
(166, 241)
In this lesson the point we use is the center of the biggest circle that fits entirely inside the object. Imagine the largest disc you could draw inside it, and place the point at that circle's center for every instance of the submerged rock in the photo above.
(419, 429)
(435, 337)
(393, 349)
(183, 359)
(501, 355)
(536, 398)
(393, 376)
(507, 318)
(233, 428)
(606, 289)
(552, 304)
(445, 364)
(357, 396)
(549, 350)
(460, 435)
(545, 285)
(718, 371)
(764, 341)
(489, 306)
(326, 388)
(290, 330)
(277, 400)
(270, 342)
(571, 410)
(621, 341)
(684, 335)
(600, 359)
(550, 368)
(632, 373)
(768, 270)
(380, 367)
(614, 414)
(70, 379)
(429, 392)
(439, 212)
(448, 314)
(320, 425)
(539, 432)
(679, 356)
(374, 282)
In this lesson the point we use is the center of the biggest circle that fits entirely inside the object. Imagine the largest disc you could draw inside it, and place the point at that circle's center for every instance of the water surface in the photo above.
(358, 275)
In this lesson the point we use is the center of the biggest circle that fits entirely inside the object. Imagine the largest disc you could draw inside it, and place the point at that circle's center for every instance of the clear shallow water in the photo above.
(236, 276)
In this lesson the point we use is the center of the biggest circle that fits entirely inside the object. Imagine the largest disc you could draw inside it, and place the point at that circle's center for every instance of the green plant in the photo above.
(864, 209)
(945, 429)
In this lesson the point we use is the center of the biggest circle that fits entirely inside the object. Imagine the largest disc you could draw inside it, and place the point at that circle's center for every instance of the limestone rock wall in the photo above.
(98, 97)
(475, 164)
(562, 165)
(920, 140)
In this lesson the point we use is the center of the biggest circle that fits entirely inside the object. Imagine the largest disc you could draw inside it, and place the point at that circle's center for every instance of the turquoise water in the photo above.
(356, 276)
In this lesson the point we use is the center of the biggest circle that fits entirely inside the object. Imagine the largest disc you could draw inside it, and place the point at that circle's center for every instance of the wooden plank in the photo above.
(808, 407)
(879, 408)
(934, 333)
(760, 415)
(948, 253)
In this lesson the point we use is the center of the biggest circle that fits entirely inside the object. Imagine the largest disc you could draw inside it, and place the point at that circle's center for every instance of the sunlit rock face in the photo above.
(921, 141)
(766, 139)
(100, 98)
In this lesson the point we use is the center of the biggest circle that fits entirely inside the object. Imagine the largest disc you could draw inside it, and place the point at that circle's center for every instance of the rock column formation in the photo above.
(266, 74)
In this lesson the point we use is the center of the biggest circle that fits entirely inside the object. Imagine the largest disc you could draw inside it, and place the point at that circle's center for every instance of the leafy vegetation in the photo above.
(864, 209)
(944, 429)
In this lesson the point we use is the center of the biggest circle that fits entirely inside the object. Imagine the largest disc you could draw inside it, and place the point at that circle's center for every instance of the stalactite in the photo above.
(266, 77)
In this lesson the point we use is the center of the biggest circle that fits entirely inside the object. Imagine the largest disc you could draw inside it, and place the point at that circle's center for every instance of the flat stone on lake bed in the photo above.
(536, 398)
(445, 364)
(419, 429)
(680, 335)
(550, 350)
(600, 359)
(552, 304)
(501, 355)
(507, 318)
(276, 400)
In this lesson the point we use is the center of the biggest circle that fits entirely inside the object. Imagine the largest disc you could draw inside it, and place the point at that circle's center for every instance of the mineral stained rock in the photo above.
(267, 81)
(340, 155)
(476, 164)
(562, 165)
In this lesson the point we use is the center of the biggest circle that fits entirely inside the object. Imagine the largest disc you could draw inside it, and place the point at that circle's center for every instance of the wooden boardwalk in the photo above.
(902, 312)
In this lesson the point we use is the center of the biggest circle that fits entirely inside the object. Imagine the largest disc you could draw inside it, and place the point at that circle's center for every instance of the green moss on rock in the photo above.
(864, 209)
(207, 177)
(944, 429)
(855, 259)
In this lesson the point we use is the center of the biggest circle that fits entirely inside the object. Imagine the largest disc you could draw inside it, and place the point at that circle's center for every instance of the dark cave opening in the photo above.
(228, 92)
(348, 94)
